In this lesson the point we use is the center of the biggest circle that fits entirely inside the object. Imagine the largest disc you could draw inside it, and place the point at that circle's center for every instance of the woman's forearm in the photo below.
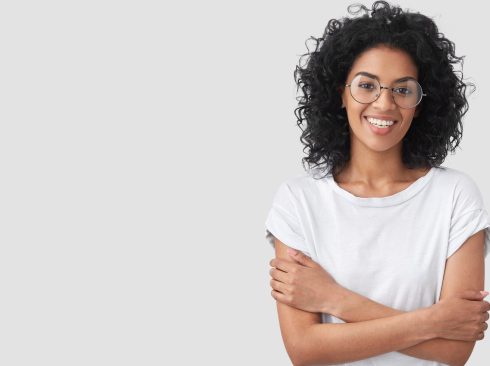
(338, 343)
(353, 307)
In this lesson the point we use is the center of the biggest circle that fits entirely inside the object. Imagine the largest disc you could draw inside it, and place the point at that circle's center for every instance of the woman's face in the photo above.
(388, 65)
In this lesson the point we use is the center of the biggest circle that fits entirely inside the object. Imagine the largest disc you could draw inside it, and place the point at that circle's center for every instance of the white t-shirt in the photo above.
(390, 249)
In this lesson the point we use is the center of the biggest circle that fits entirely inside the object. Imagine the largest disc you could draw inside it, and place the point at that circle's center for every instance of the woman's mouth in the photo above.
(380, 126)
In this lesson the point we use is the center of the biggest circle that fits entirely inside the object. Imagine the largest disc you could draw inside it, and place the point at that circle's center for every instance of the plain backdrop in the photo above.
(141, 143)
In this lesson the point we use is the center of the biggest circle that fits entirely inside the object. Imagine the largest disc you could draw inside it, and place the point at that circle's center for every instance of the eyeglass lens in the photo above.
(406, 94)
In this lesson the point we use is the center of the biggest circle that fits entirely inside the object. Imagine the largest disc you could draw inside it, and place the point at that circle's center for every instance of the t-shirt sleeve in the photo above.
(283, 221)
(469, 216)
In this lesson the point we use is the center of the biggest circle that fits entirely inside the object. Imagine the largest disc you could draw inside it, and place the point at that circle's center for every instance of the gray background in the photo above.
(140, 147)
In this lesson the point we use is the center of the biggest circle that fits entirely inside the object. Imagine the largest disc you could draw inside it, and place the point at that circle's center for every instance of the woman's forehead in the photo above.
(387, 64)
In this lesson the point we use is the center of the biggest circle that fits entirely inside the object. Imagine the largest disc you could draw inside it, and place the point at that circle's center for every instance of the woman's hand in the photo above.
(461, 318)
(302, 283)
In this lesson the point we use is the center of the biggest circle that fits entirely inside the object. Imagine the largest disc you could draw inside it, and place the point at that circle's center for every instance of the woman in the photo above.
(370, 266)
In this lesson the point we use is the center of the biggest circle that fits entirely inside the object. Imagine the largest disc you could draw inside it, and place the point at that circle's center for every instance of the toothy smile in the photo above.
(380, 122)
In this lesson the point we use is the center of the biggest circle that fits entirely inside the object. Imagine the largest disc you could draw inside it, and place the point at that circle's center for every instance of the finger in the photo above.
(283, 265)
(279, 297)
(486, 306)
(473, 295)
(279, 275)
(279, 286)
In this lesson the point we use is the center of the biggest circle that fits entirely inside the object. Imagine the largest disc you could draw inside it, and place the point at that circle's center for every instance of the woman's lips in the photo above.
(380, 130)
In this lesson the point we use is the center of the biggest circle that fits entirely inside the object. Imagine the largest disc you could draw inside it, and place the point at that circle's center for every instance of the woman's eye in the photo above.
(366, 86)
(402, 91)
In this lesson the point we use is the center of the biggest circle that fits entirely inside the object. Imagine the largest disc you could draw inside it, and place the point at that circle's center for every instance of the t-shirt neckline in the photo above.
(391, 200)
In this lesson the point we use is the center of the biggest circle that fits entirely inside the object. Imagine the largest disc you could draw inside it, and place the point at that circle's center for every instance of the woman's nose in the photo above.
(385, 100)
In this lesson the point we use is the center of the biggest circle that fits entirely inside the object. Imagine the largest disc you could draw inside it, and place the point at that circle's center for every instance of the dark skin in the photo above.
(376, 170)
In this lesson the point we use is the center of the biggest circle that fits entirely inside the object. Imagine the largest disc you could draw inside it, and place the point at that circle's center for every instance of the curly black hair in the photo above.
(438, 127)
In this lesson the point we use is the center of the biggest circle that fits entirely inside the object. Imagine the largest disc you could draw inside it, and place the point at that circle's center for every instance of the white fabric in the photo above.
(390, 249)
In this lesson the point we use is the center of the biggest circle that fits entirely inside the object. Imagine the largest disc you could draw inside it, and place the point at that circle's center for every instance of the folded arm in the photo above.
(310, 342)
(458, 276)
(329, 344)
(372, 329)
(361, 309)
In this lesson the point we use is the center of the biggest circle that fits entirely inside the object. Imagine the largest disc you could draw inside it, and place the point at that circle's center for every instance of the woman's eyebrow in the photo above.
(377, 78)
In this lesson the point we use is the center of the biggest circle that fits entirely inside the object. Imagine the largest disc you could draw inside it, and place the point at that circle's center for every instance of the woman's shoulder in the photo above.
(306, 181)
(463, 188)
(455, 177)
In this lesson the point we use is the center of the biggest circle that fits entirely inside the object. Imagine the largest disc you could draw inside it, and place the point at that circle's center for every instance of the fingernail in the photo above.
(484, 293)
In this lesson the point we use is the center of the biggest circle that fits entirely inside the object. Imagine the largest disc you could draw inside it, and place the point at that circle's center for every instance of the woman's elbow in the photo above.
(296, 353)
(297, 349)
(300, 360)
(464, 353)
(302, 353)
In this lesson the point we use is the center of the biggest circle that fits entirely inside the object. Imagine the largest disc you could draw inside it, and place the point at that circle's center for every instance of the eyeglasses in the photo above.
(407, 93)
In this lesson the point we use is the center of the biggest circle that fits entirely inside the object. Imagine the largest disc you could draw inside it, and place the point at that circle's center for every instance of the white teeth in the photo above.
(379, 122)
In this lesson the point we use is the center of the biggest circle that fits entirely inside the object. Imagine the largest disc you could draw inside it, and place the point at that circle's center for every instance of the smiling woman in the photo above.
(371, 112)
(391, 243)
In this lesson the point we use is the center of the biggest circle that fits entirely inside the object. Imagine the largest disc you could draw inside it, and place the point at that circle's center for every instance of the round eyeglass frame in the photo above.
(422, 94)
